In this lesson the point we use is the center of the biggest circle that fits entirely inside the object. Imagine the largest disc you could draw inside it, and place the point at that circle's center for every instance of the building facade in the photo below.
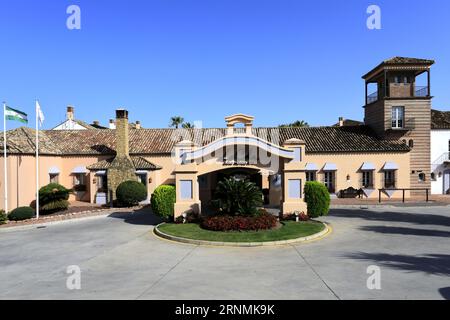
(440, 152)
(373, 156)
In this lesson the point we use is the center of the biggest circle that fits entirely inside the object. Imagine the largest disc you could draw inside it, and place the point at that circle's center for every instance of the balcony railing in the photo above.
(371, 98)
(421, 91)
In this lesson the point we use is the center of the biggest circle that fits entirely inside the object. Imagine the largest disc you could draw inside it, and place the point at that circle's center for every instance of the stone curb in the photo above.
(59, 219)
(315, 236)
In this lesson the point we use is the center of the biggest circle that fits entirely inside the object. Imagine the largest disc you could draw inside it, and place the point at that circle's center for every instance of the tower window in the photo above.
(398, 115)
(422, 177)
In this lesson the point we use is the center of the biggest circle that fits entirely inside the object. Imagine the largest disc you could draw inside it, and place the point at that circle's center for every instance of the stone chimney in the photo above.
(138, 124)
(70, 113)
(122, 131)
(122, 167)
(341, 121)
(112, 124)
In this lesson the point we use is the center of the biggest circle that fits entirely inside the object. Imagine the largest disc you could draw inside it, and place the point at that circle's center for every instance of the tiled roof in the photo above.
(139, 163)
(162, 141)
(440, 119)
(349, 123)
(406, 60)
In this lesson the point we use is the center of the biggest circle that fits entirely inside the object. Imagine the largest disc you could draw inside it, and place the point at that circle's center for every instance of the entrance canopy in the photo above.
(238, 140)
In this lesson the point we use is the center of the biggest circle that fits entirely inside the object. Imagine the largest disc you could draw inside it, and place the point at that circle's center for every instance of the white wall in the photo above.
(439, 146)
(69, 125)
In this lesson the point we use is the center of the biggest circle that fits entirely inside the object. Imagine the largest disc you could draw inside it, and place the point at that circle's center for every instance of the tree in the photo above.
(176, 121)
(296, 124)
(187, 125)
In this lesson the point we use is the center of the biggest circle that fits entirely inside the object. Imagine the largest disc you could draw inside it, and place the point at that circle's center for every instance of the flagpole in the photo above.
(4, 157)
(37, 163)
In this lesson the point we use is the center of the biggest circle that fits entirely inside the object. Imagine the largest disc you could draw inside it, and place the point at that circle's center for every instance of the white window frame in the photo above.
(398, 117)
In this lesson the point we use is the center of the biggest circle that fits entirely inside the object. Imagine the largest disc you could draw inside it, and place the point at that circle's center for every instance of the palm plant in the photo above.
(176, 121)
(237, 197)
(187, 125)
(297, 124)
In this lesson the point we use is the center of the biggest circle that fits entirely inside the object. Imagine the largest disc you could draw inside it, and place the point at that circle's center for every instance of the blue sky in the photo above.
(278, 60)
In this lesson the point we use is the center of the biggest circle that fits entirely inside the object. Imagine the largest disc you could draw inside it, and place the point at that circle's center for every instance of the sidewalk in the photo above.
(434, 200)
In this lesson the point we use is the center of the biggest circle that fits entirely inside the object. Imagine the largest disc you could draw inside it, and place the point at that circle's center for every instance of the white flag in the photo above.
(39, 113)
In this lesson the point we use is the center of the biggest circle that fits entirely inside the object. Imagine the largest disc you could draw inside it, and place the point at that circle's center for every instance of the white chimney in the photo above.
(112, 124)
(341, 121)
(70, 113)
(138, 124)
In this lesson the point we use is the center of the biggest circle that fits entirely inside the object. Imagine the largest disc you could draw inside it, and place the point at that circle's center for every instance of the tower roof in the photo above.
(400, 63)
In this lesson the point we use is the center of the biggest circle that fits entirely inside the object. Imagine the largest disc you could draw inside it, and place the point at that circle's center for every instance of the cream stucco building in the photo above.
(369, 157)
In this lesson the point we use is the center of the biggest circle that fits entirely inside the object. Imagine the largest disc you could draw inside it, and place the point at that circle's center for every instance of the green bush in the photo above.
(53, 197)
(3, 217)
(317, 199)
(163, 200)
(237, 197)
(130, 193)
(21, 213)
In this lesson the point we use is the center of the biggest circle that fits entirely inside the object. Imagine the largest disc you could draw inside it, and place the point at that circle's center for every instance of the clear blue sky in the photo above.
(278, 60)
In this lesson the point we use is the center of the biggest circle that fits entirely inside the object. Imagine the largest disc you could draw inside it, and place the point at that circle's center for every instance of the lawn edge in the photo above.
(316, 236)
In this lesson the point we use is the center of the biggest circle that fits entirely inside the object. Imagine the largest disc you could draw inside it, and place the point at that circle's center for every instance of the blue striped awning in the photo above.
(367, 166)
(329, 166)
(53, 170)
(390, 166)
(311, 167)
(79, 169)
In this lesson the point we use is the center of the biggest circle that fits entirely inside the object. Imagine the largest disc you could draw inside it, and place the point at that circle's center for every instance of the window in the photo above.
(367, 179)
(78, 179)
(54, 177)
(142, 177)
(422, 177)
(295, 188)
(329, 180)
(433, 176)
(411, 143)
(389, 179)
(310, 176)
(398, 114)
(186, 189)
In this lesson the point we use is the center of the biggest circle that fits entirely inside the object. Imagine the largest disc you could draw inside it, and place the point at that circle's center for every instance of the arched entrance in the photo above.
(242, 155)
(207, 182)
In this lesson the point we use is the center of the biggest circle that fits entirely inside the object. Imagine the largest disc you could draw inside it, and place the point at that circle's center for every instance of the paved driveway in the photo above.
(120, 258)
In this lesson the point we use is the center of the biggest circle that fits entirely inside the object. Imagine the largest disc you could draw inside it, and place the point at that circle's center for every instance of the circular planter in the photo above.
(321, 234)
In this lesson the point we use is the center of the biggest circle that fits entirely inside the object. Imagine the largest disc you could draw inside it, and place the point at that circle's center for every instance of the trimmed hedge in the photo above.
(130, 193)
(3, 217)
(53, 197)
(239, 223)
(21, 213)
(163, 201)
(317, 199)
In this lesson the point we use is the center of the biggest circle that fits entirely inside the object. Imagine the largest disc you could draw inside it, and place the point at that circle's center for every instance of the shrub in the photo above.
(237, 197)
(53, 197)
(163, 201)
(292, 217)
(239, 223)
(191, 217)
(21, 213)
(3, 217)
(317, 199)
(130, 193)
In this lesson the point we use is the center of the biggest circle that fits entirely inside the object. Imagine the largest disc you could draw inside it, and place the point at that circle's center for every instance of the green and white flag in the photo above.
(13, 114)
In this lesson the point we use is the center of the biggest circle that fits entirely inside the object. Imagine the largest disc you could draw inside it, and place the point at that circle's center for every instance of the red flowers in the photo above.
(243, 223)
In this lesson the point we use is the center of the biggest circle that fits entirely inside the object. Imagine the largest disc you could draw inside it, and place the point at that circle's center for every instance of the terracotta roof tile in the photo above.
(440, 119)
(162, 141)
(139, 163)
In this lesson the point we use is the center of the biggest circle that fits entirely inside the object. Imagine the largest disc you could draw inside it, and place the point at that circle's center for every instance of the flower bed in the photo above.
(263, 221)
